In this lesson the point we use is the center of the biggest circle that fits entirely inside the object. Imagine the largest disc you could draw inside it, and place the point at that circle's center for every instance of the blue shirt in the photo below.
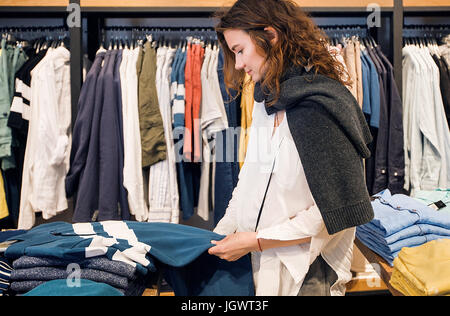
(401, 221)
(366, 86)
(396, 212)
(374, 91)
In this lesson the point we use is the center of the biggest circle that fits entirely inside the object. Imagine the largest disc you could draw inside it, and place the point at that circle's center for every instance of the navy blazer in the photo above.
(82, 178)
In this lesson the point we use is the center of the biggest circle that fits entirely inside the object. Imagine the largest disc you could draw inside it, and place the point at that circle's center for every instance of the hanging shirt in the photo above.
(4, 212)
(426, 135)
(49, 142)
(132, 169)
(20, 107)
(289, 213)
(83, 174)
(246, 117)
(150, 121)
(213, 120)
(11, 60)
(163, 186)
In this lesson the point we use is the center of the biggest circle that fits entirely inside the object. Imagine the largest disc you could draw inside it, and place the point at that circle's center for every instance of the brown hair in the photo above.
(300, 42)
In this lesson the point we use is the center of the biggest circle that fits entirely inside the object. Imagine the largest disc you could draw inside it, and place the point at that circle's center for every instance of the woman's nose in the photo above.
(239, 64)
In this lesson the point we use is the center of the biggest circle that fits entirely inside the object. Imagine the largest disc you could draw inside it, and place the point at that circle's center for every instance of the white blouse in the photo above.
(289, 213)
(47, 155)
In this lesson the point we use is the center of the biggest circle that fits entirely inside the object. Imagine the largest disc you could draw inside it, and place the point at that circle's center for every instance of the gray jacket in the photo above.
(331, 136)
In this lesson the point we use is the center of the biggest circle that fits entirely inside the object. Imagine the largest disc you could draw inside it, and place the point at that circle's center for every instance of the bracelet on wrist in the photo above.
(259, 244)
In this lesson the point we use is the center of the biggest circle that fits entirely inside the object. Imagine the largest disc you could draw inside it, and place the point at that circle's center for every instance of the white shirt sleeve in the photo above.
(306, 223)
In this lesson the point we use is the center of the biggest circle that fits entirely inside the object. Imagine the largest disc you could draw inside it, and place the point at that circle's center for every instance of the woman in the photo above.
(301, 190)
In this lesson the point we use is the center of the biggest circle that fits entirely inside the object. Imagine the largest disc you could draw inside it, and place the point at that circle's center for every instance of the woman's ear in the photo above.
(272, 33)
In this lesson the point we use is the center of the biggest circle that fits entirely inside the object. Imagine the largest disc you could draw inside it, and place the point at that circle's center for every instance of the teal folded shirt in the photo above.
(429, 197)
(64, 288)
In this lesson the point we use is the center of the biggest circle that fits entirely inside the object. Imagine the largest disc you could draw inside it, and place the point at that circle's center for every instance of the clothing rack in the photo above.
(49, 34)
(426, 31)
(135, 35)
(337, 33)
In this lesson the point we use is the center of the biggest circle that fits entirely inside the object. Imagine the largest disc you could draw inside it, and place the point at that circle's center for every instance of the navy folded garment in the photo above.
(21, 287)
(85, 288)
(50, 273)
(96, 263)
(181, 249)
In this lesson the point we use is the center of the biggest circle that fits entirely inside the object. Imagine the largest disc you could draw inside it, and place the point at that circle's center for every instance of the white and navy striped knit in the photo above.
(179, 102)
(5, 275)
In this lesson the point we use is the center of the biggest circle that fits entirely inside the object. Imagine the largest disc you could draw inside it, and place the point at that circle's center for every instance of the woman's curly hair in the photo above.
(300, 42)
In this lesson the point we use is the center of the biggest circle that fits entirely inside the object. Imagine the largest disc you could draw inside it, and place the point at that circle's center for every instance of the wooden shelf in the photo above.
(366, 285)
(181, 5)
(362, 4)
(34, 3)
(224, 3)
(156, 3)
(385, 270)
(427, 3)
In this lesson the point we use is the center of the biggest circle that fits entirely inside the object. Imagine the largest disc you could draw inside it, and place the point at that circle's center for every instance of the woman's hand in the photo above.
(234, 246)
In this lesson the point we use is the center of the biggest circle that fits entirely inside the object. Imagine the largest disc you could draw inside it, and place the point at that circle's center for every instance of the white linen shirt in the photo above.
(163, 185)
(133, 179)
(47, 154)
(289, 213)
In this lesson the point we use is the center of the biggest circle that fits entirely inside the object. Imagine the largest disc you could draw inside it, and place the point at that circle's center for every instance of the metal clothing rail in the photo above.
(33, 33)
(134, 34)
(436, 32)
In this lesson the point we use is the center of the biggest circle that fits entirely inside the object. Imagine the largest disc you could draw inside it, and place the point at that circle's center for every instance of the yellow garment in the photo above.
(247, 100)
(3, 206)
(423, 270)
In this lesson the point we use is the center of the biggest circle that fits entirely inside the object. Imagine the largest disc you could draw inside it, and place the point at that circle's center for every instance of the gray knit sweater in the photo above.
(331, 136)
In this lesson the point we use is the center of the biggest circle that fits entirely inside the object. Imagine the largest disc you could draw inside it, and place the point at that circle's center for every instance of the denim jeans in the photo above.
(226, 171)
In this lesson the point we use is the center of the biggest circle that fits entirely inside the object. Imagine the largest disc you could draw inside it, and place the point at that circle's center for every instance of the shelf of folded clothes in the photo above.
(124, 255)
(401, 221)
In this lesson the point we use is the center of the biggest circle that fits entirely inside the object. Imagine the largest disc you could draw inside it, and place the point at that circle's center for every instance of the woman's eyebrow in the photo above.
(234, 47)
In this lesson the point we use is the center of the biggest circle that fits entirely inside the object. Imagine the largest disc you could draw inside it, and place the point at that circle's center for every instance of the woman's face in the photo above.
(246, 56)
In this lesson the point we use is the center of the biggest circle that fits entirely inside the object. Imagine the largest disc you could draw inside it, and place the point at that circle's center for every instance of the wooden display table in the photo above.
(385, 270)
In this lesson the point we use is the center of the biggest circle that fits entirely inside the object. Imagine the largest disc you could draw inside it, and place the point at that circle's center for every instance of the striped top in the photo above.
(5, 274)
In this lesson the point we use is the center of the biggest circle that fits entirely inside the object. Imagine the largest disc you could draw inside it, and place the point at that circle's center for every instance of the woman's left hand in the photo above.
(234, 246)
